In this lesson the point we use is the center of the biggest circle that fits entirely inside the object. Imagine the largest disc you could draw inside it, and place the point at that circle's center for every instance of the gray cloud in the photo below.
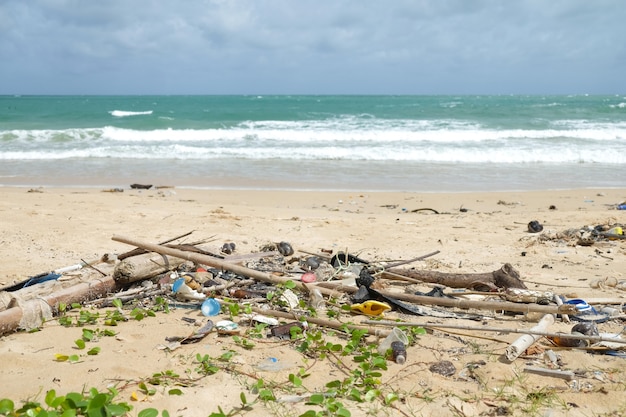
(349, 46)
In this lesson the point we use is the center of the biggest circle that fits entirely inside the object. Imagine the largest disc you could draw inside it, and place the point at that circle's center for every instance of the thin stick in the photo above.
(333, 324)
(408, 261)
(495, 329)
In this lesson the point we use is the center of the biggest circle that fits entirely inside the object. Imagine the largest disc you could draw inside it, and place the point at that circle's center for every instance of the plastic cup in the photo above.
(396, 335)
(210, 307)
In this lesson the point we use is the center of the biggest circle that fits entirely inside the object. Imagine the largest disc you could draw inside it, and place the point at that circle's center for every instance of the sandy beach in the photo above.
(49, 228)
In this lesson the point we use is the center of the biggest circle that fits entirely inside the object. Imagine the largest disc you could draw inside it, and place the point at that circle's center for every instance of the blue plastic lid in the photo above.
(211, 307)
(177, 284)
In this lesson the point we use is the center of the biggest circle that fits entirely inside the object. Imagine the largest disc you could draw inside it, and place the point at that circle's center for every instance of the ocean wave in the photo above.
(407, 153)
(123, 113)
(287, 132)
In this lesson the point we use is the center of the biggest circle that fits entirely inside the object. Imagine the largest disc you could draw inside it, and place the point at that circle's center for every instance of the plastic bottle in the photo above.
(284, 331)
(398, 352)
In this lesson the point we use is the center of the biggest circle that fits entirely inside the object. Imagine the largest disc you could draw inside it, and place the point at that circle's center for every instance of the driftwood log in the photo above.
(31, 313)
(505, 277)
(144, 266)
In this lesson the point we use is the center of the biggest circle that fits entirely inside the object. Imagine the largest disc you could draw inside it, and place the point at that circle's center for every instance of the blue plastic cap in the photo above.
(211, 307)
(177, 284)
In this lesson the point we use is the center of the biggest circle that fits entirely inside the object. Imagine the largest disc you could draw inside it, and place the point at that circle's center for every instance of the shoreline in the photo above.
(323, 175)
(234, 188)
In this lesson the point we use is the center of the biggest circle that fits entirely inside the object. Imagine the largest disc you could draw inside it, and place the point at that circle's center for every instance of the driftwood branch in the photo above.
(505, 277)
(138, 251)
(504, 330)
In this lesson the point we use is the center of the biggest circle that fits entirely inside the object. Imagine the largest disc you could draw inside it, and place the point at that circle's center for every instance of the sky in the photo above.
(312, 47)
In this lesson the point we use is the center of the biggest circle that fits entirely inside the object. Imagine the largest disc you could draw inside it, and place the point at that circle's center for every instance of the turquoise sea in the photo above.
(399, 143)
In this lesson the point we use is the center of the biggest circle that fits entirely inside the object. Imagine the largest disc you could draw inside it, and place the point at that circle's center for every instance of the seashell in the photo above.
(228, 248)
(535, 227)
(312, 262)
(285, 249)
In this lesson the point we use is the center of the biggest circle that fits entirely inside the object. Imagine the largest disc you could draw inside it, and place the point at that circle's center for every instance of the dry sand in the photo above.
(49, 228)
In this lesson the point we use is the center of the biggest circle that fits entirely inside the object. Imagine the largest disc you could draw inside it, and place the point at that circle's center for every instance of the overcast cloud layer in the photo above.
(312, 47)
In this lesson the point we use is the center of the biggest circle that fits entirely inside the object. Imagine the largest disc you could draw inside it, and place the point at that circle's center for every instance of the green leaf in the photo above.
(391, 397)
(149, 412)
(117, 303)
(290, 285)
(342, 412)
(73, 358)
(242, 397)
(118, 409)
(266, 395)
(334, 384)
(93, 351)
(355, 395)
(336, 348)
(175, 391)
(372, 394)
(88, 334)
(80, 343)
(316, 399)
(295, 380)
(219, 414)
(50, 396)
(6, 406)
(419, 331)
(98, 401)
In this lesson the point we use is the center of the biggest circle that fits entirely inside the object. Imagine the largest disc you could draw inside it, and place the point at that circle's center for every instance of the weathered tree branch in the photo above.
(505, 277)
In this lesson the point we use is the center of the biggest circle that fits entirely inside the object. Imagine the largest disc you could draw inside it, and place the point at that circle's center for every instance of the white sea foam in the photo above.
(426, 154)
(342, 138)
(123, 113)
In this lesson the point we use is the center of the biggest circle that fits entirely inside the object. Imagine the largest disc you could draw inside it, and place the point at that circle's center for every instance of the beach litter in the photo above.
(288, 292)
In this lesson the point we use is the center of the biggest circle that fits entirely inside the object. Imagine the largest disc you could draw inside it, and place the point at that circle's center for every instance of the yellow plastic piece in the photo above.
(371, 308)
